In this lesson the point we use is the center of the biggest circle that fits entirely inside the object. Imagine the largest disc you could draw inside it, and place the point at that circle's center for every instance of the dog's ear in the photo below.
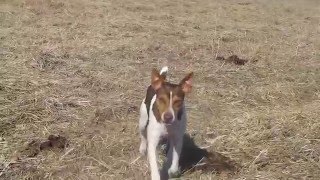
(186, 83)
(156, 79)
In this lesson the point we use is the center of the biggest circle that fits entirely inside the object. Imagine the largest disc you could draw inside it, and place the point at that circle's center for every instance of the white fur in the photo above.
(164, 70)
(152, 134)
(170, 109)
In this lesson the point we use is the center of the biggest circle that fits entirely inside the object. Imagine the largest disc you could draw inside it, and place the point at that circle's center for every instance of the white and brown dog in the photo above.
(163, 115)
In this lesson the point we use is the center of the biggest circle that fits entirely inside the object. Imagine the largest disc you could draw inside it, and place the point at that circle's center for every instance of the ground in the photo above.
(78, 69)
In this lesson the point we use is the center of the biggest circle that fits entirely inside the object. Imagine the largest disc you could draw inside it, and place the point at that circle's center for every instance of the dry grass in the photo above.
(79, 68)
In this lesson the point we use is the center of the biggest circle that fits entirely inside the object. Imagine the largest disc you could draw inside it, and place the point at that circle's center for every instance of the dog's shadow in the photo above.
(194, 158)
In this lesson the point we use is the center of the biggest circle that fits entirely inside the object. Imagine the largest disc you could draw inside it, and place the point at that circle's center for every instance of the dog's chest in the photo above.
(169, 131)
(163, 131)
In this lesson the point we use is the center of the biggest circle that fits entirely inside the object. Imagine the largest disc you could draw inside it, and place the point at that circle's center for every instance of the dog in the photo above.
(163, 115)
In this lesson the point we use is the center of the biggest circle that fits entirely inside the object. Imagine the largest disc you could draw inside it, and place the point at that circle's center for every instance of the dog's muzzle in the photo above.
(168, 118)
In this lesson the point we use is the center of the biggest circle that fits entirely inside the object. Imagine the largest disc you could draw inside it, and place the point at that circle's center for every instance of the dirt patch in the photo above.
(244, 3)
(59, 142)
(32, 149)
(233, 59)
(35, 146)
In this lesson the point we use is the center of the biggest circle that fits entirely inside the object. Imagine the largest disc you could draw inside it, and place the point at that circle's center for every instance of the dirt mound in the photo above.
(35, 146)
(233, 59)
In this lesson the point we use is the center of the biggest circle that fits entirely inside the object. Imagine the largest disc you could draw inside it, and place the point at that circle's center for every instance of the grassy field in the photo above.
(79, 69)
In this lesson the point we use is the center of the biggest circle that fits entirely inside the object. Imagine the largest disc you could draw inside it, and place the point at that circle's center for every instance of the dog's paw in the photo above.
(143, 149)
(174, 172)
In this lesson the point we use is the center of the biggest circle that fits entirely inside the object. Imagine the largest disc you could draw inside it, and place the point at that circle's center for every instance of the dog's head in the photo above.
(170, 97)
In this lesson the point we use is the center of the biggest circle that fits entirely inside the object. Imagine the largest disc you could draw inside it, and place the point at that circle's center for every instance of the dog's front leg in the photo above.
(143, 121)
(153, 140)
(176, 145)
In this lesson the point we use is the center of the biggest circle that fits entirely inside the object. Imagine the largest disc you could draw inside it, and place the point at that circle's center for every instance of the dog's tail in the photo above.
(164, 71)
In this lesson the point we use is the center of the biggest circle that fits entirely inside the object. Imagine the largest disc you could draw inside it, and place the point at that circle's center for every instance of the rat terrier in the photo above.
(163, 115)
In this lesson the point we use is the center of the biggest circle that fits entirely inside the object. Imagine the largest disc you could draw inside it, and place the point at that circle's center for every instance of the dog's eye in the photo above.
(177, 102)
(161, 99)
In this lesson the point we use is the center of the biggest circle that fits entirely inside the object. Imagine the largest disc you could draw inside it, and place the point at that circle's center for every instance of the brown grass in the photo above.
(79, 69)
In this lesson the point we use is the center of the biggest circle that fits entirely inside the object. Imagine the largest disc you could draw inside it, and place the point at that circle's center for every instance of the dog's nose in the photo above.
(168, 117)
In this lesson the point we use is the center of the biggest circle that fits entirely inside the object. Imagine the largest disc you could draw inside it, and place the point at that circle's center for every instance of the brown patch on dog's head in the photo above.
(170, 97)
